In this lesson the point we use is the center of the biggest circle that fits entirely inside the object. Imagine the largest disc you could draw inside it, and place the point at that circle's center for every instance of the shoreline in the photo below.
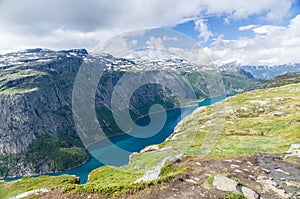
(142, 116)
(44, 174)
(193, 103)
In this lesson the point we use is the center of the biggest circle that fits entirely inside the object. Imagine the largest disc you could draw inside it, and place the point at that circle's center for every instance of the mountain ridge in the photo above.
(36, 103)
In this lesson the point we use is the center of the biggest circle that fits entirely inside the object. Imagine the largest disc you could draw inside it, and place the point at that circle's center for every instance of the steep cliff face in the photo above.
(35, 102)
(35, 98)
(36, 124)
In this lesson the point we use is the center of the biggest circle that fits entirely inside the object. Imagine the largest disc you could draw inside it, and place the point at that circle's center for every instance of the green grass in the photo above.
(246, 131)
(115, 182)
(60, 154)
(234, 196)
(169, 171)
(243, 132)
(19, 80)
(209, 181)
(111, 176)
(10, 189)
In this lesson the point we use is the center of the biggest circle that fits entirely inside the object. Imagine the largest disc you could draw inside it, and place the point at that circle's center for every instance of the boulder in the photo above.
(249, 193)
(225, 184)
(150, 148)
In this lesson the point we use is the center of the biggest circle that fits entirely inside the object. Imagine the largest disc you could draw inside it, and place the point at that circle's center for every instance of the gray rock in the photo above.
(277, 113)
(153, 174)
(225, 184)
(249, 193)
(150, 148)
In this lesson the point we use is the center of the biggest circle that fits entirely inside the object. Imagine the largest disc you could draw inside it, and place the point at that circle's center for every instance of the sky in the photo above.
(256, 32)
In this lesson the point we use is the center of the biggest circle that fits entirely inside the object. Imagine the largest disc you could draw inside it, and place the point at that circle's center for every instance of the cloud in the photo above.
(267, 29)
(166, 38)
(226, 21)
(248, 27)
(133, 42)
(271, 45)
(155, 42)
(204, 32)
(73, 24)
(275, 9)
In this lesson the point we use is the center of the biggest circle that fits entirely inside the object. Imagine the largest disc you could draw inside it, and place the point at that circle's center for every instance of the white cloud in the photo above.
(199, 56)
(271, 45)
(275, 9)
(155, 42)
(166, 38)
(133, 42)
(204, 32)
(63, 24)
(267, 29)
(226, 21)
(248, 27)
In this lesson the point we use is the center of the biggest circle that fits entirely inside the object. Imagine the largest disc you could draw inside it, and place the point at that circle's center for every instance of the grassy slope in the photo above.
(250, 126)
(10, 189)
(261, 121)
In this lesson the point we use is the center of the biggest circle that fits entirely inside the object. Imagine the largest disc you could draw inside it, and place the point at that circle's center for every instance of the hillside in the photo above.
(281, 80)
(255, 123)
(265, 72)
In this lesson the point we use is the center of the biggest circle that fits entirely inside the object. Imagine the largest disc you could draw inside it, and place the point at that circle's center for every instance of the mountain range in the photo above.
(37, 130)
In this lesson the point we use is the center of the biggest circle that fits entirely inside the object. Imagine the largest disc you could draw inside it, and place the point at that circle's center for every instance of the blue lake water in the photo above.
(107, 148)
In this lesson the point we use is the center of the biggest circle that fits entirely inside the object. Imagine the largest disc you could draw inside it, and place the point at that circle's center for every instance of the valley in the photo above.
(255, 123)
(37, 131)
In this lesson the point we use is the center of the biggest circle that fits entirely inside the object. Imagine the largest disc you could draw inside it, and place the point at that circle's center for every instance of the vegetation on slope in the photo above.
(281, 80)
(60, 153)
(260, 121)
(10, 189)
(263, 121)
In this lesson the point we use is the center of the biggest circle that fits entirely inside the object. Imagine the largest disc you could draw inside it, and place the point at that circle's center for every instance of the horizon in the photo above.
(234, 63)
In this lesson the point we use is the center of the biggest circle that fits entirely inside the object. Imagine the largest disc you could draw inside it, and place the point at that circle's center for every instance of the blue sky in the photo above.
(229, 28)
(256, 32)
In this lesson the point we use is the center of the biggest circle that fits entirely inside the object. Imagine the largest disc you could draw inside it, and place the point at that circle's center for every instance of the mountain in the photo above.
(281, 80)
(265, 72)
(37, 129)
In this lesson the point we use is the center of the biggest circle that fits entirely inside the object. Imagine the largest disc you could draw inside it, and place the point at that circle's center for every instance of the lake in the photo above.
(130, 144)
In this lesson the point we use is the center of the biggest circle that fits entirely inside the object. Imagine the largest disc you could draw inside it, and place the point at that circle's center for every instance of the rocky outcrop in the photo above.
(156, 148)
(153, 174)
(30, 193)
